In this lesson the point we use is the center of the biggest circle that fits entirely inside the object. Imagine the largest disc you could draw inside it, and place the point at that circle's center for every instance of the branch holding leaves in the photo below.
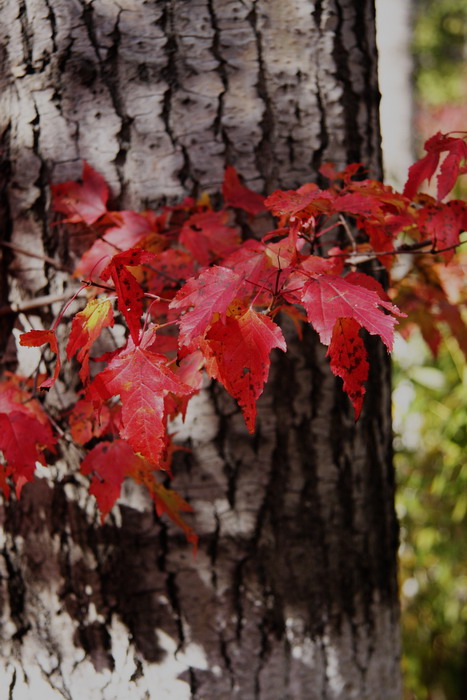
(186, 270)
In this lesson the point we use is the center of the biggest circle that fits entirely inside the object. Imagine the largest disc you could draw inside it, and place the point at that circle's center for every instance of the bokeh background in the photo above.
(423, 76)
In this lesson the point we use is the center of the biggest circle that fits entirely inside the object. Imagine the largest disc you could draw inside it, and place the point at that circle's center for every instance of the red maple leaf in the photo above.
(189, 371)
(358, 203)
(131, 230)
(328, 298)
(451, 167)
(14, 397)
(237, 355)
(349, 360)
(129, 292)
(210, 293)
(142, 379)
(263, 267)
(363, 280)
(237, 195)
(25, 432)
(85, 329)
(109, 463)
(291, 202)
(207, 236)
(329, 171)
(444, 224)
(85, 425)
(82, 203)
(22, 441)
(425, 168)
(38, 338)
(170, 268)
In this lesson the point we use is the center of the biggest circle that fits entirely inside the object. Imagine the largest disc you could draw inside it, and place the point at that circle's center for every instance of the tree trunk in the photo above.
(293, 593)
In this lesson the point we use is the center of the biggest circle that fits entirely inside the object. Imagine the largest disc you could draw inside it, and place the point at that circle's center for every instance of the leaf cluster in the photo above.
(198, 297)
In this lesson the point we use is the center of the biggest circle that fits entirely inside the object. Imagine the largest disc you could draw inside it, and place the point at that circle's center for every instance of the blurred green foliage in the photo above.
(430, 414)
(439, 47)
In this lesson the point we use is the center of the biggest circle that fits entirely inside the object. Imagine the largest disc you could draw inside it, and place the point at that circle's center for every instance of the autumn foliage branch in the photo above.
(196, 297)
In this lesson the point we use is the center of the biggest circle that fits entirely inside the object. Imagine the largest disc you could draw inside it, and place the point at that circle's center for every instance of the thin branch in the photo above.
(402, 250)
(44, 258)
(107, 288)
(349, 233)
(32, 304)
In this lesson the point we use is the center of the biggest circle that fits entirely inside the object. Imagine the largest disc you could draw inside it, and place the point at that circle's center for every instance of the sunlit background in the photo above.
(423, 76)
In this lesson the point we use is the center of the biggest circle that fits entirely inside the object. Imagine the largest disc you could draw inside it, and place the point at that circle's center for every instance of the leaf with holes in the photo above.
(201, 297)
(349, 360)
(129, 292)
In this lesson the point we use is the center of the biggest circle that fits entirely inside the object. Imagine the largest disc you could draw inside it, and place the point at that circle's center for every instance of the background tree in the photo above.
(430, 396)
(293, 593)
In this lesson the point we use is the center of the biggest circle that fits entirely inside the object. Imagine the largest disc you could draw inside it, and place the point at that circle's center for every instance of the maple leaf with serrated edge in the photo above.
(142, 378)
(85, 425)
(36, 339)
(24, 425)
(81, 203)
(14, 397)
(237, 195)
(291, 202)
(189, 371)
(22, 441)
(357, 203)
(207, 236)
(86, 327)
(170, 268)
(348, 360)
(363, 280)
(131, 230)
(209, 293)
(237, 355)
(109, 463)
(444, 224)
(425, 168)
(328, 297)
(263, 267)
(451, 168)
(130, 294)
(328, 170)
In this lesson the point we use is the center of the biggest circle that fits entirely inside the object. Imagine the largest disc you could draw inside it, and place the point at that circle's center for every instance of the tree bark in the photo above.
(293, 594)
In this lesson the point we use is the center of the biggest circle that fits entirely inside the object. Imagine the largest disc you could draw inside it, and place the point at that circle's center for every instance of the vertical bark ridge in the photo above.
(293, 592)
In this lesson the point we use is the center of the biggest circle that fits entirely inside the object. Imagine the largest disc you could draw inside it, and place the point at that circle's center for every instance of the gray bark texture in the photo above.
(293, 594)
